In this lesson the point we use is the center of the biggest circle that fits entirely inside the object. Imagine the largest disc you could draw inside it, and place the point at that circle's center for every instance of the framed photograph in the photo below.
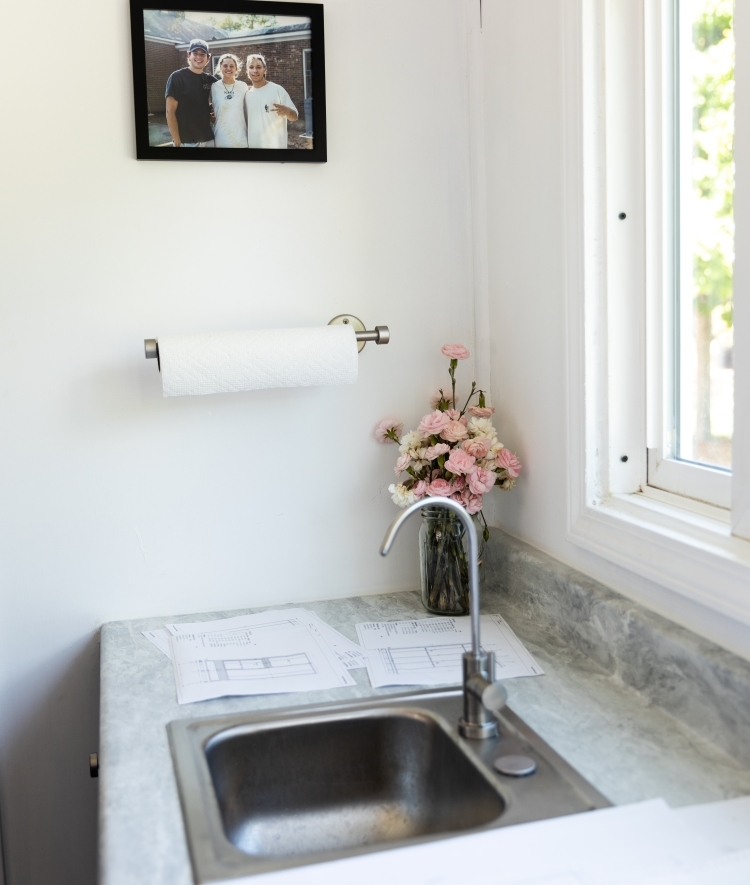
(229, 80)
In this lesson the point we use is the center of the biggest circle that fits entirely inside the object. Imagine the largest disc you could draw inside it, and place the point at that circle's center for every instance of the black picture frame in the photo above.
(146, 83)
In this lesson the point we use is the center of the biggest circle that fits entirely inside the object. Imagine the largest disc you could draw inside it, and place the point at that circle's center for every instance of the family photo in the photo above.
(215, 80)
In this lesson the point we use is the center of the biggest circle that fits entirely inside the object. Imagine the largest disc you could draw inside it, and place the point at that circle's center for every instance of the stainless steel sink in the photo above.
(277, 789)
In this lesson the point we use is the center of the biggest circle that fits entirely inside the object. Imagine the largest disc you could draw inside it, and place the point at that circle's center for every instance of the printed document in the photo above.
(267, 653)
(348, 652)
(427, 651)
(160, 638)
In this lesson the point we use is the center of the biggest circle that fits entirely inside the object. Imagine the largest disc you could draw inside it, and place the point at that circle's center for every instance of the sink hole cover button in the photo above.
(515, 766)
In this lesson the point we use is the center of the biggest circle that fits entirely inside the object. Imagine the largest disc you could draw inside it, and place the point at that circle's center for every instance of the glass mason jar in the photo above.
(444, 562)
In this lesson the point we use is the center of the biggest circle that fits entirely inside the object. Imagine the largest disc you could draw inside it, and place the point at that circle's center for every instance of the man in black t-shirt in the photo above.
(188, 94)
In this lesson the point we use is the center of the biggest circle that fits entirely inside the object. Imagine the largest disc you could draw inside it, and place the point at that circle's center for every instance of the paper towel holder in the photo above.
(380, 335)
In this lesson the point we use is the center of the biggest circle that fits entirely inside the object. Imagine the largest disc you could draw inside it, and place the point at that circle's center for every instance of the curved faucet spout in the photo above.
(471, 531)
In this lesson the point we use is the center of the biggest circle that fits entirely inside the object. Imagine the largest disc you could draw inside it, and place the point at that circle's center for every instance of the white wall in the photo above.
(117, 503)
(524, 69)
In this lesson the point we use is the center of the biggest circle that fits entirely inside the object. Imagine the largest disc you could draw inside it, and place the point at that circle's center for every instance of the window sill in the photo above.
(687, 548)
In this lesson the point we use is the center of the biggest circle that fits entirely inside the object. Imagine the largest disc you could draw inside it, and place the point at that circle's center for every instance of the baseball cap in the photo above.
(199, 44)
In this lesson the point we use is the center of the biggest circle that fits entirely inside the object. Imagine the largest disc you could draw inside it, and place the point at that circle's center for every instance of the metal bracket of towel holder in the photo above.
(380, 335)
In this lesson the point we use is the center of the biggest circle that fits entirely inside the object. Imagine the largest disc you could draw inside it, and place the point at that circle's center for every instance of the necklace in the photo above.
(227, 93)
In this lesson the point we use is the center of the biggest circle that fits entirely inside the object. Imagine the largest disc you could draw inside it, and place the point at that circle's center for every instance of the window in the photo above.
(692, 454)
(659, 318)
(704, 185)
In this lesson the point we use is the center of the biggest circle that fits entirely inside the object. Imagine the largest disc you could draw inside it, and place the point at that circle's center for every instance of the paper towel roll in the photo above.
(231, 361)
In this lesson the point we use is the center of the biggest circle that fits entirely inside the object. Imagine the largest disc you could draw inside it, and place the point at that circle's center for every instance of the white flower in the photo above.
(401, 495)
(411, 442)
(495, 450)
(481, 427)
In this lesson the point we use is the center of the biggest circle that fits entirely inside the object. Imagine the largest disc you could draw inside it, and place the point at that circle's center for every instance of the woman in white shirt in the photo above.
(227, 98)
(268, 107)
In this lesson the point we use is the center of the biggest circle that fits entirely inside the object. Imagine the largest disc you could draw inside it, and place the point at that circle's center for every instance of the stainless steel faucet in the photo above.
(481, 693)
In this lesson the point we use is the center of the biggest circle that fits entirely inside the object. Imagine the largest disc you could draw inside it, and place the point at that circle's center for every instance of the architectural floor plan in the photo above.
(271, 667)
(427, 651)
(265, 653)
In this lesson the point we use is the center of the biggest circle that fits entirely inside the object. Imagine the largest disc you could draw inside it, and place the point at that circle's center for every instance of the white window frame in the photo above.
(687, 538)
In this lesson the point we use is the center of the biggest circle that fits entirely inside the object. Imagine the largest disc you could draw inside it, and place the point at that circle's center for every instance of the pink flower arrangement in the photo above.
(448, 455)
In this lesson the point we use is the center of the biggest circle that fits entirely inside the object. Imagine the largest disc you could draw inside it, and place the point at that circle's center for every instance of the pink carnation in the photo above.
(481, 411)
(388, 424)
(481, 480)
(473, 504)
(433, 424)
(403, 462)
(455, 352)
(509, 462)
(459, 462)
(459, 484)
(420, 489)
(455, 415)
(435, 400)
(478, 448)
(441, 488)
(454, 431)
(436, 451)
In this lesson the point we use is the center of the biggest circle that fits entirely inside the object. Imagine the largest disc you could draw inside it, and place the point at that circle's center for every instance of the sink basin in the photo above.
(283, 788)
(345, 782)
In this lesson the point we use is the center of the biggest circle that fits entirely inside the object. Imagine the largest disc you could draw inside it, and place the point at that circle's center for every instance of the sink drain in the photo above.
(515, 766)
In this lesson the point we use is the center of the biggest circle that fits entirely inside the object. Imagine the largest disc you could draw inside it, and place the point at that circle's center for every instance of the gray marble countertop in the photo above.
(628, 748)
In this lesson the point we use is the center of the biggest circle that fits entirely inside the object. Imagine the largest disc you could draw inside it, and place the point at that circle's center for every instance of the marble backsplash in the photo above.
(691, 678)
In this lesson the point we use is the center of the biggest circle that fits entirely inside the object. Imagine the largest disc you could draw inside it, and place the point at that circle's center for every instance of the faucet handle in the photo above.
(492, 695)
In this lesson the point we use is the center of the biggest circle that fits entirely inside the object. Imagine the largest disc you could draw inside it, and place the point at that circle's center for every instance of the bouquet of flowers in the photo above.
(453, 453)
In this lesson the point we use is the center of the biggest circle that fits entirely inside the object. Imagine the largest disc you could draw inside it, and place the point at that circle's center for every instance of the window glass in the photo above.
(703, 340)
